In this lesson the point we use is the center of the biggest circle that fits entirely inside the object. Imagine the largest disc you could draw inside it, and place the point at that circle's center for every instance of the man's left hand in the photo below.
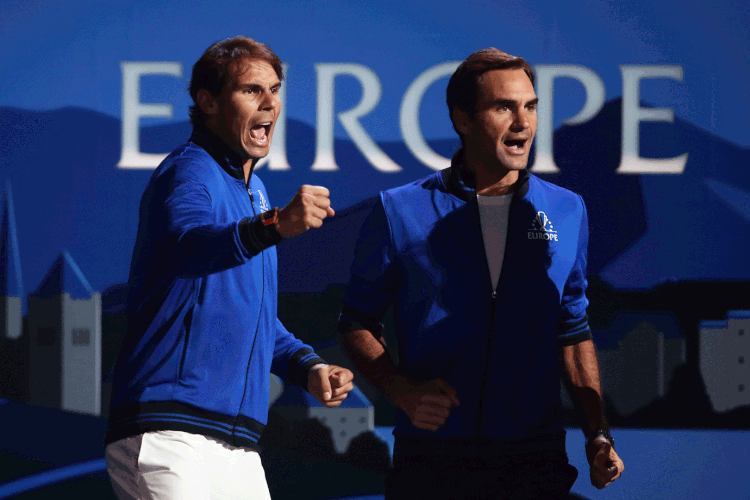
(605, 464)
(329, 384)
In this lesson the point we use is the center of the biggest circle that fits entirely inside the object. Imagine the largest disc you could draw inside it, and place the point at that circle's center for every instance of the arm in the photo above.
(580, 372)
(580, 368)
(203, 245)
(374, 284)
(297, 362)
(182, 215)
(427, 404)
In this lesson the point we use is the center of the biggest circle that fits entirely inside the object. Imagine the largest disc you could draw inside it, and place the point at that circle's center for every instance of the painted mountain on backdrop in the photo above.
(69, 195)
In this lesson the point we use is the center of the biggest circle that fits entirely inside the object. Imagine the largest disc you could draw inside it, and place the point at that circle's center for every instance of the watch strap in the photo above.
(593, 435)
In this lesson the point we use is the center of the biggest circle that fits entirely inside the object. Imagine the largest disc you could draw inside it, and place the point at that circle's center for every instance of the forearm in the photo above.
(215, 247)
(580, 371)
(292, 359)
(369, 355)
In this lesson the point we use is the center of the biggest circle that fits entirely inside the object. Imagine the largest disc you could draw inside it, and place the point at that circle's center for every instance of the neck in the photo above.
(247, 167)
(247, 162)
(491, 182)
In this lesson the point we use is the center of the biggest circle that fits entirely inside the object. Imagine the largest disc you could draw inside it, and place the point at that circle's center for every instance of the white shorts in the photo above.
(176, 465)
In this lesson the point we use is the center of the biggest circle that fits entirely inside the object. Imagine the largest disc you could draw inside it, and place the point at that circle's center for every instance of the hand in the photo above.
(605, 464)
(329, 384)
(427, 405)
(307, 209)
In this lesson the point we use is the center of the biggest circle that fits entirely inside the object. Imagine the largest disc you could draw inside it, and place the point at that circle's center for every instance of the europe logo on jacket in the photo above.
(262, 201)
(542, 229)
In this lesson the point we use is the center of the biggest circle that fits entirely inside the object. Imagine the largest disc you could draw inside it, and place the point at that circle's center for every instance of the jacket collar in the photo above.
(461, 181)
(226, 157)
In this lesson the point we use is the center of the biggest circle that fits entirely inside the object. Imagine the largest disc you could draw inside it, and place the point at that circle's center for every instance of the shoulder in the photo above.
(188, 162)
(425, 186)
(540, 189)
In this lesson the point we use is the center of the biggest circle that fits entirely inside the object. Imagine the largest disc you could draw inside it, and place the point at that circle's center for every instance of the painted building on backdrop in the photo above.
(724, 359)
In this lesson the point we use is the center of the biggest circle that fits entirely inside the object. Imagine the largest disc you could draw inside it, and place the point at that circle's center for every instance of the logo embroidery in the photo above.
(541, 228)
(262, 201)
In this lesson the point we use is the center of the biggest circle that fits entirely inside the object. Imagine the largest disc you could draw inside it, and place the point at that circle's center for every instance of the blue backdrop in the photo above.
(643, 111)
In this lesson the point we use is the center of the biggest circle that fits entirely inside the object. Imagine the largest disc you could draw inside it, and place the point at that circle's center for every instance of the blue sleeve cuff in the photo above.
(256, 236)
(300, 364)
(574, 332)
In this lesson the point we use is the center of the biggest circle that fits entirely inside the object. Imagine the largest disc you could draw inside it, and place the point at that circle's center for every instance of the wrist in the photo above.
(398, 387)
(260, 232)
(270, 221)
(591, 437)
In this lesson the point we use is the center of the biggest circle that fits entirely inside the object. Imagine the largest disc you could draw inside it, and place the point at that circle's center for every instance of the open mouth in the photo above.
(259, 133)
(515, 144)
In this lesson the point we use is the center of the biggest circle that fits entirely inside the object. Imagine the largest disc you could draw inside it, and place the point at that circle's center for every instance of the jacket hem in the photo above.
(154, 416)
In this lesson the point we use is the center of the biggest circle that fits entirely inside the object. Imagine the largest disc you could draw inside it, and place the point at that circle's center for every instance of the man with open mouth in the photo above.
(485, 267)
(191, 385)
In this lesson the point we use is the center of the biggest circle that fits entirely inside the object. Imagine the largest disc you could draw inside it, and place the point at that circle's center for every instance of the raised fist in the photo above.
(307, 209)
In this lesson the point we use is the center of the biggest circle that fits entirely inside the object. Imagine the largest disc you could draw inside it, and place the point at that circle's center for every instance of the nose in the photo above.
(521, 120)
(269, 101)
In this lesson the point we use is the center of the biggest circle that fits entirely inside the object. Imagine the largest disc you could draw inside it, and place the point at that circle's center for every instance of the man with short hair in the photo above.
(485, 267)
(191, 385)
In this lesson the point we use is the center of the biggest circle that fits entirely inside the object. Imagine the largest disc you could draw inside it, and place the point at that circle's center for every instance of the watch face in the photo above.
(269, 218)
(606, 435)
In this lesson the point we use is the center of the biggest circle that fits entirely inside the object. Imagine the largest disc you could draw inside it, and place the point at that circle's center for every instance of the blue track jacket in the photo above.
(421, 252)
(202, 328)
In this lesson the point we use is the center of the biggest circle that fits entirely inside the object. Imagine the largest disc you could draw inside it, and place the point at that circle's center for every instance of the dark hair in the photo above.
(462, 87)
(212, 69)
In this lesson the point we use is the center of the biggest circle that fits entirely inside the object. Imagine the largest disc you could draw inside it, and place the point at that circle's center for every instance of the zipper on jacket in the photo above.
(260, 309)
(493, 307)
(487, 362)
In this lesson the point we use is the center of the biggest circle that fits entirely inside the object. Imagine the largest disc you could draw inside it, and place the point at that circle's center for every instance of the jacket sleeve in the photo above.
(201, 244)
(574, 324)
(292, 359)
(374, 275)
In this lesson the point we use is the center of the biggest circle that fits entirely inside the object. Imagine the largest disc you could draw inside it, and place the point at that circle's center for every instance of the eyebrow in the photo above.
(511, 102)
(252, 85)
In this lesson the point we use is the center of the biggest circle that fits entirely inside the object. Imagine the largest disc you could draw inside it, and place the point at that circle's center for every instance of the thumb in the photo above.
(601, 457)
(325, 383)
(447, 390)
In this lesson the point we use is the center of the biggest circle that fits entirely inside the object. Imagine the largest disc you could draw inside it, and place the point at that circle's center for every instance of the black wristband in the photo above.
(591, 436)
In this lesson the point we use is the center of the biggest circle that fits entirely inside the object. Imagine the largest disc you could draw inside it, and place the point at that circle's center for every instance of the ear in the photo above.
(461, 120)
(207, 102)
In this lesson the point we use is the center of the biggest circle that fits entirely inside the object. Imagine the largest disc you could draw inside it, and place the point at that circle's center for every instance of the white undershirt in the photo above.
(493, 215)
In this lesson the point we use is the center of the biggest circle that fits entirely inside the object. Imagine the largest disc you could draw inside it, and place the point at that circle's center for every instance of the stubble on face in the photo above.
(248, 108)
(498, 137)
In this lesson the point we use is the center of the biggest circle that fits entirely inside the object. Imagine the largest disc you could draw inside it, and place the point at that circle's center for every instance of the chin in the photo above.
(511, 166)
(257, 152)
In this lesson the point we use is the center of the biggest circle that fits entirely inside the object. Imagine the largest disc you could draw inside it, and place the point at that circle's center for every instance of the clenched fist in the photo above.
(329, 384)
(428, 404)
(605, 464)
(307, 209)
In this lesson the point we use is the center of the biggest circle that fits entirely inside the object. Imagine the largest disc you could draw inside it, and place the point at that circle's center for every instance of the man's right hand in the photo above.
(307, 210)
(427, 405)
